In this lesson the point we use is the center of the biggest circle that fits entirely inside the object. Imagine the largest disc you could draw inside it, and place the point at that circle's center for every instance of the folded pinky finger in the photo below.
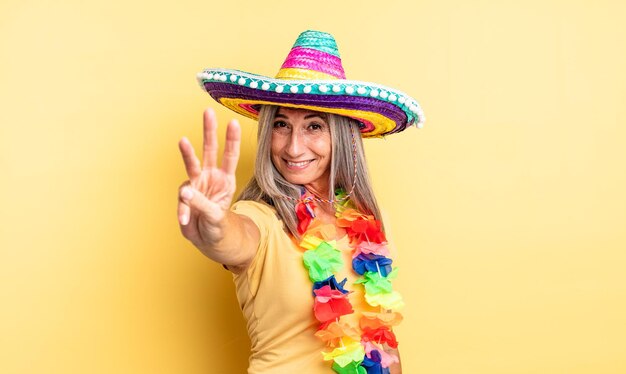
(183, 213)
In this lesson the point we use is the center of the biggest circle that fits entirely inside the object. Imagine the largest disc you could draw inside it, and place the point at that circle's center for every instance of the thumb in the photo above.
(201, 206)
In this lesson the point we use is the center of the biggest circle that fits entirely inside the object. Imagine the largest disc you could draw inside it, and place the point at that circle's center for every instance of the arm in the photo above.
(204, 200)
(232, 241)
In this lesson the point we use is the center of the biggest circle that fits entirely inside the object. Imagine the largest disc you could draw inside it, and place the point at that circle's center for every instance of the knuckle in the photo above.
(183, 185)
(231, 154)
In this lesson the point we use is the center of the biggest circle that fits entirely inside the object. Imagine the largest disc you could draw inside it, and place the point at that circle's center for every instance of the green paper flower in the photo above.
(352, 368)
(375, 283)
(341, 205)
(323, 261)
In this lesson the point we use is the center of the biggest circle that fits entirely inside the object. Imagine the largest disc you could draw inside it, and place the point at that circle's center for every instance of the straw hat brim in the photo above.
(380, 110)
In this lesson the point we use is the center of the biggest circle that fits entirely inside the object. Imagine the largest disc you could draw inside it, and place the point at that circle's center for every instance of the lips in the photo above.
(297, 165)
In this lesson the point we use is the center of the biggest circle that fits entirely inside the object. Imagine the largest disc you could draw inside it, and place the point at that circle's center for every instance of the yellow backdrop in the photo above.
(507, 209)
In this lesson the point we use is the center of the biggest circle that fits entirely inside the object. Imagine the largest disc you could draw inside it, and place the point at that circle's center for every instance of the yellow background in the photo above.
(507, 209)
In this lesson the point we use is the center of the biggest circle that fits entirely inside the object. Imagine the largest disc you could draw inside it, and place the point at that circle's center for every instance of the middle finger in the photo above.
(209, 149)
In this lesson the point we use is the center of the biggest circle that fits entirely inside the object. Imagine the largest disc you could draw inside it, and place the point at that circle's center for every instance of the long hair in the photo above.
(269, 186)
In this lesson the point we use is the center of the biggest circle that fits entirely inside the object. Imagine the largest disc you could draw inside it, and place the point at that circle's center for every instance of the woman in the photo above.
(305, 216)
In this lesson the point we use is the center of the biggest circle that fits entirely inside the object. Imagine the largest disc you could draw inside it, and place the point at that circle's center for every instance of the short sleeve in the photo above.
(265, 219)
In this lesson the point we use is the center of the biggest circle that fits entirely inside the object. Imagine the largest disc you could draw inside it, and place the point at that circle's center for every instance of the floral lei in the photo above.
(353, 349)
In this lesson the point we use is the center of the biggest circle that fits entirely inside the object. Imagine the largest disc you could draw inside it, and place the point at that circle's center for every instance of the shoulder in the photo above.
(261, 218)
(263, 215)
(252, 209)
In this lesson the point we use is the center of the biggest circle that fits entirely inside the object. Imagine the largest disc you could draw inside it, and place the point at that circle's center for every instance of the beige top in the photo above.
(275, 295)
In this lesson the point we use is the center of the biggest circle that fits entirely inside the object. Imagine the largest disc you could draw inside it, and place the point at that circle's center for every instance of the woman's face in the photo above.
(301, 147)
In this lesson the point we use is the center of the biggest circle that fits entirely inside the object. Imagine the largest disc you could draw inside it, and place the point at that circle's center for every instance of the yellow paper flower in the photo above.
(350, 351)
(310, 242)
(392, 300)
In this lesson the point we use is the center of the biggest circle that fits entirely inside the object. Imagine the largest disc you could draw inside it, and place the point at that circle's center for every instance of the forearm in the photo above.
(232, 241)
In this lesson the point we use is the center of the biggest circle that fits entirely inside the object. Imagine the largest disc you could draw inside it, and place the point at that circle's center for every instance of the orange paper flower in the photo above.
(334, 331)
(376, 320)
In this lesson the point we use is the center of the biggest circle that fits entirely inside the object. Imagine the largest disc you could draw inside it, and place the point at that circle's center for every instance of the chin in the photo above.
(310, 175)
(300, 180)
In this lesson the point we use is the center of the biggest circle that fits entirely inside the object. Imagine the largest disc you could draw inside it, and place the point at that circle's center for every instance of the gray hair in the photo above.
(269, 186)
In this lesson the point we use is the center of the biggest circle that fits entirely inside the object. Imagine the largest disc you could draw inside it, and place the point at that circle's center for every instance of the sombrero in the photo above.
(312, 77)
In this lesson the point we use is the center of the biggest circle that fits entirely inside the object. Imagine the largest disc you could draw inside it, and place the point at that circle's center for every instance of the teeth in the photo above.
(297, 163)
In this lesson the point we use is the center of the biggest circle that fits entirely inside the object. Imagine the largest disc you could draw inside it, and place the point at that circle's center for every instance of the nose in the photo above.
(296, 146)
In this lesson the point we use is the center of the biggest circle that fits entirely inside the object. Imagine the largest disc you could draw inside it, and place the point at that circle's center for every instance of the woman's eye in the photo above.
(315, 126)
(279, 124)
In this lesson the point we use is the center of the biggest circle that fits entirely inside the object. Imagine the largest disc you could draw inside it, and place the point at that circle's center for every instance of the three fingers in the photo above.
(193, 166)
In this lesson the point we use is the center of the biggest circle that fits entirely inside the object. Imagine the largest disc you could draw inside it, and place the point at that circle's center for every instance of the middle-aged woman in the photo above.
(304, 239)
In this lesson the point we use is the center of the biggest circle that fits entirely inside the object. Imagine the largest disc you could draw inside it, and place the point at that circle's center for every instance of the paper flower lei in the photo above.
(353, 349)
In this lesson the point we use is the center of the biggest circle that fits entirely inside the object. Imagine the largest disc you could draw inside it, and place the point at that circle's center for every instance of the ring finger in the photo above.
(192, 164)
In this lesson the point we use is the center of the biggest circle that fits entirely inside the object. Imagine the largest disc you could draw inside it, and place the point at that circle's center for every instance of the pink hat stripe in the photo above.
(313, 59)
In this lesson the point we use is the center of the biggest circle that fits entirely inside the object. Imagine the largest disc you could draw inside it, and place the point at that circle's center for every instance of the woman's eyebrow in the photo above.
(315, 115)
(308, 116)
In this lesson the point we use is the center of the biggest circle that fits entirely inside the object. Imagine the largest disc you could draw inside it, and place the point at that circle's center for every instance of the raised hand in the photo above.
(205, 198)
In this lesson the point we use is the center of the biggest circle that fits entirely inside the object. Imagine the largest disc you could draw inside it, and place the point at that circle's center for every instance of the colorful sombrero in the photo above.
(312, 77)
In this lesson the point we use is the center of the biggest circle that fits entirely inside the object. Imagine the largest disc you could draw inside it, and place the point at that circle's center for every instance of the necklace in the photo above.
(358, 349)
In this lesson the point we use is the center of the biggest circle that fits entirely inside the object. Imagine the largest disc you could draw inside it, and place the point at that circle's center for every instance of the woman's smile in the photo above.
(298, 165)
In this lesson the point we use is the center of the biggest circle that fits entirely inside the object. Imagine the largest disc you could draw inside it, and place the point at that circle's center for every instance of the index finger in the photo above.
(209, 148)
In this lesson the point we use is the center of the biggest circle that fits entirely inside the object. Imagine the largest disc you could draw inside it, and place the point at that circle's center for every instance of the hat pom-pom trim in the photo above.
(340, 87)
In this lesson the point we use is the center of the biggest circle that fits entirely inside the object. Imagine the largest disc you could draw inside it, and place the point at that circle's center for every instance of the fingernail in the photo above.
(184, 219)
(186, 193)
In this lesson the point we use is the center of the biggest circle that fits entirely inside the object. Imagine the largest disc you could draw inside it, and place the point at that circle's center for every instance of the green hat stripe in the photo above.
(318, 40)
